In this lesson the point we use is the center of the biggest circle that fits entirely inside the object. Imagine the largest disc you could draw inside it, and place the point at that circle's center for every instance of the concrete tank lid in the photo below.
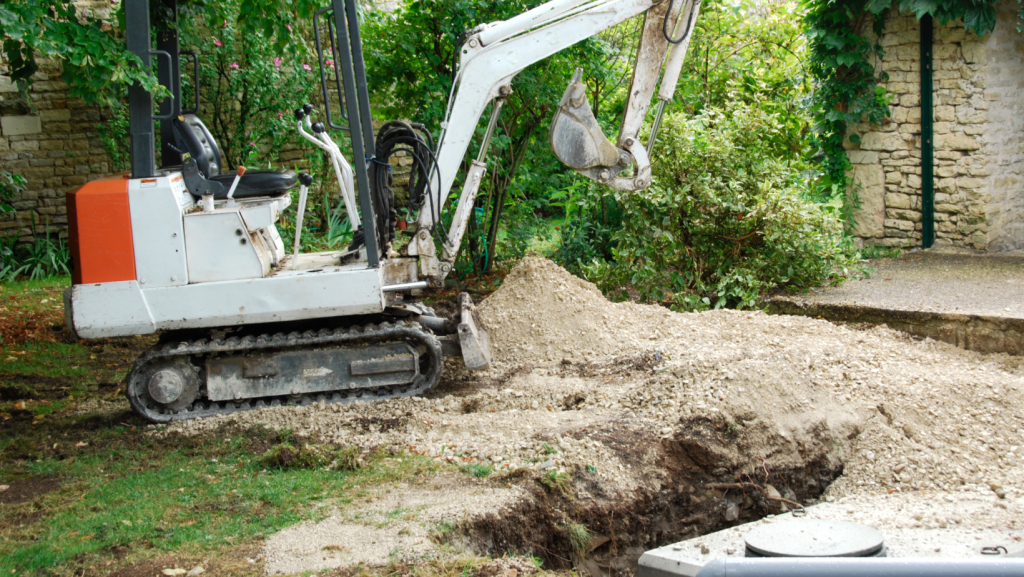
(814, 538)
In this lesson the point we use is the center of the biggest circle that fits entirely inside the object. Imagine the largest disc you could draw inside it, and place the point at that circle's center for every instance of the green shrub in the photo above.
(724, 220)
(45, 257)
(10, 184)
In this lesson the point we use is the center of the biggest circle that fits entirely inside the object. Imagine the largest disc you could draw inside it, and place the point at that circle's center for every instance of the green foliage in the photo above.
(94, 61)
(579, 538)
(840, 59)
(113, 133)
(478, 471)
(724, 220)
(410, 56)
(249, 84)
(750, 52)
(10, 184)
(559, 483)
(46, 256)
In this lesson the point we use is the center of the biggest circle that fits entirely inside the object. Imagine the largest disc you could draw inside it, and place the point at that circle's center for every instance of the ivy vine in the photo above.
(848, 88)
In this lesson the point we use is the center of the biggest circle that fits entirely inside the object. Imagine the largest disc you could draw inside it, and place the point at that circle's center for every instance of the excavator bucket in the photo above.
(473, 338)
(576, 137)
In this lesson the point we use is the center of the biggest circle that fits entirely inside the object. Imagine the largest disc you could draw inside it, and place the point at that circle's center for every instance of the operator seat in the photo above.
(193, 137)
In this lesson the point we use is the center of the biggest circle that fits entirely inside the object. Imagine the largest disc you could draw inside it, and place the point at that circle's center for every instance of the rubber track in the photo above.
(403, 331)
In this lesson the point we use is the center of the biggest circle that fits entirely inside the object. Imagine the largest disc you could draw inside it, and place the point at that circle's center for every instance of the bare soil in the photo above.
(646, 426)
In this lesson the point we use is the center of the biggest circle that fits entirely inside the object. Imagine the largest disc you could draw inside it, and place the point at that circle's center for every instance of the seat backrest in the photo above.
(193, 137)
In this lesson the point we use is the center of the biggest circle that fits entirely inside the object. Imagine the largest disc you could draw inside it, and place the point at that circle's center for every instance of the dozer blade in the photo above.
(473, 339)
(576, 137)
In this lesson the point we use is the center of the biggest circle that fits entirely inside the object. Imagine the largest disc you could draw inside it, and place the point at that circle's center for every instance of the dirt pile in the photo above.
(642, 408)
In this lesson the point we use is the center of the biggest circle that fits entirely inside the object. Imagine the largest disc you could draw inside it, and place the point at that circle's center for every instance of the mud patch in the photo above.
(25, 490)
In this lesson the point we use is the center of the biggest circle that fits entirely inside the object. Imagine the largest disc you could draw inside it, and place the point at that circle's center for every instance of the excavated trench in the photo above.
(700, 484)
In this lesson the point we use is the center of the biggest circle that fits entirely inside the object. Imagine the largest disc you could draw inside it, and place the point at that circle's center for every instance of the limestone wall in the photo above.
(979, 139)
(887, 162)
(1003, 138)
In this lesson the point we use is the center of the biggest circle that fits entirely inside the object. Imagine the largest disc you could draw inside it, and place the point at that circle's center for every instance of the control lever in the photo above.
(305, 181)
(234, 183)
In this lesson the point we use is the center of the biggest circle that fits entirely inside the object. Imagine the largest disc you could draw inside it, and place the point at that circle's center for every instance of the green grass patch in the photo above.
(477, 470)
(154, 496)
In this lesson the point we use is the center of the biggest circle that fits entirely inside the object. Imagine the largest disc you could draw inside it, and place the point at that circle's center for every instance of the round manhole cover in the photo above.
(814, 538)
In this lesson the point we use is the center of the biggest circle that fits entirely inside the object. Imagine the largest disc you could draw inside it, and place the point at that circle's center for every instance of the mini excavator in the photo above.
(192, 251)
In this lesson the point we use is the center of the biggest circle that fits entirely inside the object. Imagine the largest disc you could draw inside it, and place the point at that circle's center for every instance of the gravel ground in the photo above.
(902, 415)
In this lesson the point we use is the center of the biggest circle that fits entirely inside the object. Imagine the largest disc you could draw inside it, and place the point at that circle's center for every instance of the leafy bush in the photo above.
(10, 184)
(724, 221)
(44, 257)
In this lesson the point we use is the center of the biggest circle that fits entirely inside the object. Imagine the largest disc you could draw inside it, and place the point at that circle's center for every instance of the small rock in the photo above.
(666, 431)
(899, 468)
(173, 572)
(730, 551)
(546, 465)
(704, 549)
(869, 455)
(732, 512)
(4, 488)
(197, 570)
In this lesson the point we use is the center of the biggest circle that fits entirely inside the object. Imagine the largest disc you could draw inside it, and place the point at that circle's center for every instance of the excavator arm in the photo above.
(493, 54)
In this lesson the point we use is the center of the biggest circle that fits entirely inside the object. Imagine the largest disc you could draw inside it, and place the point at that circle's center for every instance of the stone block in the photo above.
(946, 185)
(899, 224)
(19, 125)
(855, 156)
(881, 141)
(913, 181)
(946, 171)
(944, 113)
(970, 184)
(956, 142)
(51, 145)
(946, 34)
(25, 145)
(974, 129)
(910, 100)
(895, 200)
(973, 52)
(944, 51)
(948, 207)
(56, 115)
(893, 177)
(868, 184)
(904, 214)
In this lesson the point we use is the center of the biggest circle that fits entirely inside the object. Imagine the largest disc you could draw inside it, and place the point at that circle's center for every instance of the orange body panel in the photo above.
(100, 231)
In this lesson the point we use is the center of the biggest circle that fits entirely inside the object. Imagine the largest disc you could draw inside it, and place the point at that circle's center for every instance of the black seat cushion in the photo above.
(256, 183)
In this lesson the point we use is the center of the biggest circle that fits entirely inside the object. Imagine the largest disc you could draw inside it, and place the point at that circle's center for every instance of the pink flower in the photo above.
(225, 22)
(280, 115)
(252, 143)
(277, 61)
(288, 26)
(234, 66)
(217, 43)
(331, 64)
(306, 67)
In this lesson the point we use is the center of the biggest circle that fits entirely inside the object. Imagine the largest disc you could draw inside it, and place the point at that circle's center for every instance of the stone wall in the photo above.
(1003, 139)
(979, 144)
